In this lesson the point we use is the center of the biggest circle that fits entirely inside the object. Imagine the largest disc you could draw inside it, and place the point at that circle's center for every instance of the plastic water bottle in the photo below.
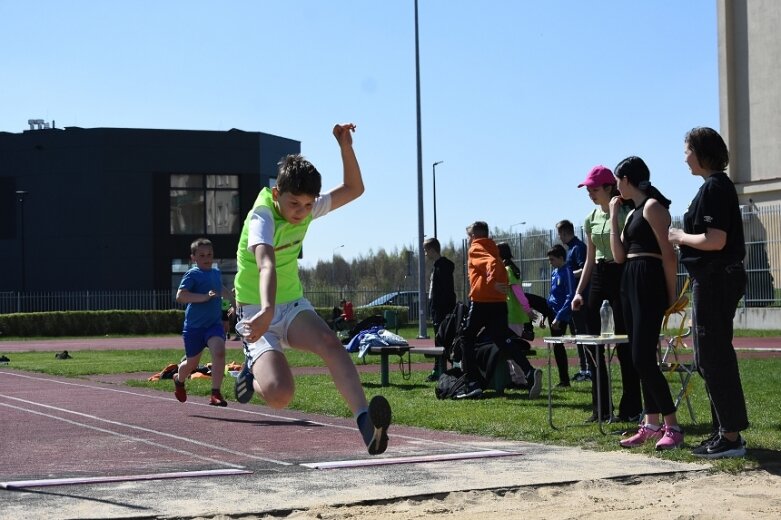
(608, 325)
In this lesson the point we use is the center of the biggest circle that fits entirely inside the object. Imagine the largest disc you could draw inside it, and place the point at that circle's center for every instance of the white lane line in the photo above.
(18, 484)
(454, 444)
(123, 435)
(132, 427)
(409, 460)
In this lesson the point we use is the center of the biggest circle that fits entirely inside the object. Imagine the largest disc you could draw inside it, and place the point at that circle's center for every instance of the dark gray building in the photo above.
(117, 208)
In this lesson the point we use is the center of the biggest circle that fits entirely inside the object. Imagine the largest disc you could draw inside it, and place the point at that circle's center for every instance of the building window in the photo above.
(204, 204)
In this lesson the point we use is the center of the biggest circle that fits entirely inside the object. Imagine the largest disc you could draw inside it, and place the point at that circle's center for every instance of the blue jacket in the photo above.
(562, 290)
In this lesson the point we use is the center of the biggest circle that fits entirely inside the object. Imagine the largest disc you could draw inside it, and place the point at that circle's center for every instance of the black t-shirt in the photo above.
(714, 206)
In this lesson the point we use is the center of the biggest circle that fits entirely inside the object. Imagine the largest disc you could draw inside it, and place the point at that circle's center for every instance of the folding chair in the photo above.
(670, 346)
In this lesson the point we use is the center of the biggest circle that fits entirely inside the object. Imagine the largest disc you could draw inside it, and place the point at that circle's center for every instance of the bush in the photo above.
(91, 323)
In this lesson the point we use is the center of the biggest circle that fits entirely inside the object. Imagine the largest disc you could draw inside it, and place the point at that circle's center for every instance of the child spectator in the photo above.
(201, 289)
(562, 289)
(488, 285)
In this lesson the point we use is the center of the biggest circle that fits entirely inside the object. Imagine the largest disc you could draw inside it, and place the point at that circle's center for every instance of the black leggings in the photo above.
(606, 285)
(644, 299)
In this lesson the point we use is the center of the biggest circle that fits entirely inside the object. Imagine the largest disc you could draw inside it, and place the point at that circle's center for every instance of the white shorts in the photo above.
(275, 337)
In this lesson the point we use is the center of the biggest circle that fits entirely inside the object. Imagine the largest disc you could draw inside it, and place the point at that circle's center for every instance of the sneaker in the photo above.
(244, 389)
(723, 448)
(702, 448)
(643, 435)
(583, 375)
(471, 390)
(563, 384)
(536, 378)
(593, 418)
(373, 425)
(216, 399)
(672, 438)
(179, 390)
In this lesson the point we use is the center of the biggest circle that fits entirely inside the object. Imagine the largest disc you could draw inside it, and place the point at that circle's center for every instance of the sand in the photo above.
(692, 495)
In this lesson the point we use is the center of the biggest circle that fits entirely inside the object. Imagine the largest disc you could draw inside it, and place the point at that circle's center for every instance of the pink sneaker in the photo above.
(673, 438)
(643, 435)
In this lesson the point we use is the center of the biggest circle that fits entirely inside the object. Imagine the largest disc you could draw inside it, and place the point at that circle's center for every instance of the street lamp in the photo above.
(517, 224)
(434, 169)
(20, 197)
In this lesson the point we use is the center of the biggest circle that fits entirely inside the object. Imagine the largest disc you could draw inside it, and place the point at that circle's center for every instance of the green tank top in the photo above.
(288, 240)
(598, 226)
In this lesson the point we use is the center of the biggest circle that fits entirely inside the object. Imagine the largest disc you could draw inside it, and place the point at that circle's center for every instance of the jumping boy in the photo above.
(202, 290)
(272, 310)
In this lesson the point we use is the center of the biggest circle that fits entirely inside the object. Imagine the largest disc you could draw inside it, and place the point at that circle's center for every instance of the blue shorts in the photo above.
(195, 340)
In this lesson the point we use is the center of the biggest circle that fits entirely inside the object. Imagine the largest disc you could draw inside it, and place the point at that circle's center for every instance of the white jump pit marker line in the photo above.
(21, 484)
(410, 460)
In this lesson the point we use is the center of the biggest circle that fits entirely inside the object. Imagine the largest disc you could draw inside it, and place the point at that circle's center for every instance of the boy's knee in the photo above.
(277, 395)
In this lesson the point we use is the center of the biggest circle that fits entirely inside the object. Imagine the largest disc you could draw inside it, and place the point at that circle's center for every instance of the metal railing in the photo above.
(761, 225)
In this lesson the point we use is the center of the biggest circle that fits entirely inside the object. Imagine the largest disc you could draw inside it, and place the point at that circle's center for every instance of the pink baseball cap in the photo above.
(598, 176)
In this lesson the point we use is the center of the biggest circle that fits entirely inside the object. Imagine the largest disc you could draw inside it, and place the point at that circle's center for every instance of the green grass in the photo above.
(512, 416)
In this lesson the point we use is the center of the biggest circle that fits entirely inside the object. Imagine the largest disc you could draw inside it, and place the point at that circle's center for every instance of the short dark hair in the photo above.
(198, 242)
(566, 226)
(558, 251)
(432, 243)
(710, 148)
(478, 229)
(298, 176)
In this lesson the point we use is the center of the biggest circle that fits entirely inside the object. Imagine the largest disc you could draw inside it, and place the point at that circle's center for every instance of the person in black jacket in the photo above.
(441, 292)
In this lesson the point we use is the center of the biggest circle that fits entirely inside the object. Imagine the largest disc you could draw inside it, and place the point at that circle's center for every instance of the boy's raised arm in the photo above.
(352, 185)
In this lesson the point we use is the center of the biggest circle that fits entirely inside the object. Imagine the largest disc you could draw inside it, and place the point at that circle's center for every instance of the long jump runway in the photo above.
(73, 448)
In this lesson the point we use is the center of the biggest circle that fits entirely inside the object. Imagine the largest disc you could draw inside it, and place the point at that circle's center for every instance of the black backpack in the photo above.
(449, 383)
(450, 329)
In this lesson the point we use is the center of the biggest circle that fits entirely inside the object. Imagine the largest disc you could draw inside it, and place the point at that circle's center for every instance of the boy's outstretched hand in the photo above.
(343, 133)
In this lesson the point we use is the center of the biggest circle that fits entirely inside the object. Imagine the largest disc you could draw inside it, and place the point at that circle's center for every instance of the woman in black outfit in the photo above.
(712, 248)
(647, 290)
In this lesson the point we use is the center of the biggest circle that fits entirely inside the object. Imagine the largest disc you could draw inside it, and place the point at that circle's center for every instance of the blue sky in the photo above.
(519, 98)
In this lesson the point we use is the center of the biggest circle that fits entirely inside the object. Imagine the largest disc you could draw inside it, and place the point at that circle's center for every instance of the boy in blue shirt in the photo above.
(562, 290)
(202, 290)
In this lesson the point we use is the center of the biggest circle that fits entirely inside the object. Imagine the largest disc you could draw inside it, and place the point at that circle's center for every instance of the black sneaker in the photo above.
(634, 419)
(433, 376)
(244, 389)
(593, 418)
(470, 391)
(722, 448)
(583, 375)
(702, 448)
(373, 425)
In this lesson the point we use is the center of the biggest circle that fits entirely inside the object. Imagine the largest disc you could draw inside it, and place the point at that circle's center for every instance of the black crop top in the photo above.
(638, 235)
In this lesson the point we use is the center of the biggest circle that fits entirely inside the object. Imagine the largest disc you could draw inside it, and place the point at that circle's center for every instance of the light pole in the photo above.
(422, 329)
(20, 197)
(434, 174)
(517, 224)
(333, 263)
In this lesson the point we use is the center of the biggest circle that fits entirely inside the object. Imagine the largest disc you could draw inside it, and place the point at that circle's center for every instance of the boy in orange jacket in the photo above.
(488, 285)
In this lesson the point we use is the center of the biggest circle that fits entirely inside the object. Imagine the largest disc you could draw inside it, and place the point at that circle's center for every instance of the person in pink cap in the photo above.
(601, 277)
